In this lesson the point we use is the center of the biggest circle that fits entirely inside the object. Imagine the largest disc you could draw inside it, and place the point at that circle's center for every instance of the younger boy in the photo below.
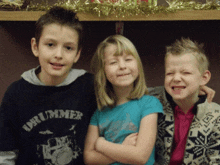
(189, 129)
(44, 115)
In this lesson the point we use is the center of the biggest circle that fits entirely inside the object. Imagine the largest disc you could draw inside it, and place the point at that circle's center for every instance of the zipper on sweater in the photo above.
(172, 139)
(187, 138)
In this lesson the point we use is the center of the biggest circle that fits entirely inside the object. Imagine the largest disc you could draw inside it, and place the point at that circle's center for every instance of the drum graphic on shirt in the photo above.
(59, 150)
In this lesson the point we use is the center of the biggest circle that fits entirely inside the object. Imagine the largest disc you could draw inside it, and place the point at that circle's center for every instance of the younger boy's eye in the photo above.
(187, 73)
(169, 73)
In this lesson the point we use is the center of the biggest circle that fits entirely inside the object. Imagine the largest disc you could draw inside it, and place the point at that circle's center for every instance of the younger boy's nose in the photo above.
(177, 77)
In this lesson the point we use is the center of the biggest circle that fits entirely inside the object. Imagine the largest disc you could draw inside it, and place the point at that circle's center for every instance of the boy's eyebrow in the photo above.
(54, 40)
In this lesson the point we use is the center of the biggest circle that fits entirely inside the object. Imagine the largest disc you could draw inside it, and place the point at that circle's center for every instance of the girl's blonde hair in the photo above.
(104, 91)
(185, 45)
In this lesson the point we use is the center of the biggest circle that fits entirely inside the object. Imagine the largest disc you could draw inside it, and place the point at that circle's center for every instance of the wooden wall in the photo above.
(150, 38)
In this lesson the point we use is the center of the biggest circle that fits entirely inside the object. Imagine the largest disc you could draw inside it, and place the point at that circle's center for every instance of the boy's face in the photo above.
(57, 51)
(182, 77)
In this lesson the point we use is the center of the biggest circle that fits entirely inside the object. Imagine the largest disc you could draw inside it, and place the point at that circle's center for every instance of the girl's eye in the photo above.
(128, 59)
(113, 62)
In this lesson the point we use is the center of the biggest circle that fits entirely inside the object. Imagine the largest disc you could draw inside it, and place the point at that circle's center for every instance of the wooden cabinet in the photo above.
(180, 15)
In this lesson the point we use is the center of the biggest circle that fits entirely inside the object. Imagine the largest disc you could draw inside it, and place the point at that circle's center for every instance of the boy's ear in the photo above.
(34, 47)
(77, 56)
(206, 77)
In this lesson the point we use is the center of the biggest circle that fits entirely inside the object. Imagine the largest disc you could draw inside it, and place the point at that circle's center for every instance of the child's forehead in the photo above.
(55, 29)
(190, 57)
(114, 50)
(58, 25)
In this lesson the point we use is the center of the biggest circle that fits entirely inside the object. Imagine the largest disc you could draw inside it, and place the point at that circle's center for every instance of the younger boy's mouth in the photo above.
(177, 89)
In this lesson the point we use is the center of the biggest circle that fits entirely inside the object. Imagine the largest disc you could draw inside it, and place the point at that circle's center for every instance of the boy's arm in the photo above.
(156, 91)
(91, 156)
(8, 157)
(128, 154)
(8, 154)
(207, 91)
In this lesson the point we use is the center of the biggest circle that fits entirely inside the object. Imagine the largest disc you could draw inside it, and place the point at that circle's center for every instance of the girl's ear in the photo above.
(34, 47)
(206, 77)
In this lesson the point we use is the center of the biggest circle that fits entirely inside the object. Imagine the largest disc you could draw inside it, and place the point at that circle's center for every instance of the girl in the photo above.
(123, 107)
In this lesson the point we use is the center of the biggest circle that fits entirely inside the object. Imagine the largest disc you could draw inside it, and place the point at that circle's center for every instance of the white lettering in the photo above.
(51, 114)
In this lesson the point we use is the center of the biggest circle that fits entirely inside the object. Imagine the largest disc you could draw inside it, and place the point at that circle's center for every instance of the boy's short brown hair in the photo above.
(61, 16)
(185, 45)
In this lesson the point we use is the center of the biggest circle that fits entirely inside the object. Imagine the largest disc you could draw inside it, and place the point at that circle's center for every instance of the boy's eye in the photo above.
(50, 44)
(69, 48)
(186, 72)
(169, 73)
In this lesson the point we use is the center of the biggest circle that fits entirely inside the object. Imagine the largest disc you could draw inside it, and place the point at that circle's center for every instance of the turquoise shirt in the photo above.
(117, 123)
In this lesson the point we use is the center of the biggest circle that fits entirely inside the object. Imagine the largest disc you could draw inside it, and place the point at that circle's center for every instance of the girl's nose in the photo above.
(122, 64)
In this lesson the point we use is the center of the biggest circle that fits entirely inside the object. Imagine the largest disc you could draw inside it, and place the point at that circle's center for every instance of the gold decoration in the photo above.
(11, 5)
(121, 8)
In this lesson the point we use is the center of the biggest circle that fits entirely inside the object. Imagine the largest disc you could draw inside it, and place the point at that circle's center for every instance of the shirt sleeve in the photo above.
(150, 104)
(94, 118)
(8, 133)
(8, 157)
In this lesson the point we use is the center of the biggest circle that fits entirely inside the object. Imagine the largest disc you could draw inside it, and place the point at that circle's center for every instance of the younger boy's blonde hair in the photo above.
(185, 45)
(105, 95)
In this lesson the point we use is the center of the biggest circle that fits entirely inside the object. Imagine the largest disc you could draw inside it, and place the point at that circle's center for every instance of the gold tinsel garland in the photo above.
(118, 9)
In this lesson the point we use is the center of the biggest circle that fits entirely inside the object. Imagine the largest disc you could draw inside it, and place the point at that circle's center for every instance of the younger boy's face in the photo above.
(57, 51)
(182, 77)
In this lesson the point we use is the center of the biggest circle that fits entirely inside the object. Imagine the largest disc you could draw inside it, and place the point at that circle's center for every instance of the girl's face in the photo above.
(122, 70)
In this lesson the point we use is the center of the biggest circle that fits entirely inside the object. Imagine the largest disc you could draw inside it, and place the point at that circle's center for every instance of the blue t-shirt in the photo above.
(117, 123)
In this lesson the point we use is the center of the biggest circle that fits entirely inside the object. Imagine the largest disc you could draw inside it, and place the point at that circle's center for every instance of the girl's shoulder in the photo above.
(150, 104)
(149, 99)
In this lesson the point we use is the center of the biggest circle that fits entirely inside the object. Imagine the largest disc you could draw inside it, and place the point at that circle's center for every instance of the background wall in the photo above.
(150, 39)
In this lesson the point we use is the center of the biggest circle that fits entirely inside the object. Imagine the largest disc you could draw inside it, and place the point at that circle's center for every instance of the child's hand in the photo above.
(131, 139)
(207, 91)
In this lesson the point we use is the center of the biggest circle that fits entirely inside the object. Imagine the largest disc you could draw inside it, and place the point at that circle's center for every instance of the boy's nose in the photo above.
(59, 53)
(177, 77)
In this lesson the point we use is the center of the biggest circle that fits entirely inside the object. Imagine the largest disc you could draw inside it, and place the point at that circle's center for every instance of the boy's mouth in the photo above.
(177, 89)
(57, 65)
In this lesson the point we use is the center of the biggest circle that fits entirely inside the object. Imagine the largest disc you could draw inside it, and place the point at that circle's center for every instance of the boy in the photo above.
(44, 116)
(189, 129)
